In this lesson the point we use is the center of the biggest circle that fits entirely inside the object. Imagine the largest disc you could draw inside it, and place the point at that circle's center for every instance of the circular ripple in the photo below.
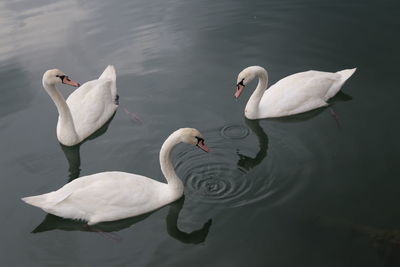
(215, 178)
(234, 174)
(217, 183)
(234, 131)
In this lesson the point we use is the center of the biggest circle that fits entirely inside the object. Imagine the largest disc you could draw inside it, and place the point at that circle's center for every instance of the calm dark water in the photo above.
(298, 191)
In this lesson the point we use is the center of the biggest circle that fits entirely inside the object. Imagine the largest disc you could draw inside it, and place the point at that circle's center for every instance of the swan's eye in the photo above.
(61, 77)
(240, 83)
(199, 141)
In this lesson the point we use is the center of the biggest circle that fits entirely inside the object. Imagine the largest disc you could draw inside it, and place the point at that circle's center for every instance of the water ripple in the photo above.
(219, 181)
(219, 177)
(233, 131)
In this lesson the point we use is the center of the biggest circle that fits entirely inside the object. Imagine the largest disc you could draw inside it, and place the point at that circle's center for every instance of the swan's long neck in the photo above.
(65, 128)
(252, 106)
(166, 164)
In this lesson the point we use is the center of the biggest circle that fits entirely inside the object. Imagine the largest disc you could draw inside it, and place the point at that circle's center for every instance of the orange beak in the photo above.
(202, 146)
(67, 80)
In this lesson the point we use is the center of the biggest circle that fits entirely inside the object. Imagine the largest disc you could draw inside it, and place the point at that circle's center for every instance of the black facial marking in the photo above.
(199, 140)
(241, 82)
(61, 77)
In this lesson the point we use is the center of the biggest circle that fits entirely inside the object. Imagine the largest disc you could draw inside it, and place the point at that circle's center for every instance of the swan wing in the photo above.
(104, 196)
(298, 93)
(91, 105)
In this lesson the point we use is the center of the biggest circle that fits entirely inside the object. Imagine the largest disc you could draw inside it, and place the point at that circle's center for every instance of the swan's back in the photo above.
(301, 92)
(313, 83)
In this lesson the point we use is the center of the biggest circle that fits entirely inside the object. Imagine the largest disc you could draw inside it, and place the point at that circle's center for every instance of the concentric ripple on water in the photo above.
(235, 131)
(220, 183)
(217, 177)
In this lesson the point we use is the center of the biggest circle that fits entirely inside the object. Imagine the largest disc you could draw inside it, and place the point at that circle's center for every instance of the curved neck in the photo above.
(166, 164)
(252, 105)
(65, 121)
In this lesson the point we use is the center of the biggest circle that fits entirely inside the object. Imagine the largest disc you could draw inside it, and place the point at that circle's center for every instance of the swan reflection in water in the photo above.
(247, 162)
(72, 153)
(108, 229)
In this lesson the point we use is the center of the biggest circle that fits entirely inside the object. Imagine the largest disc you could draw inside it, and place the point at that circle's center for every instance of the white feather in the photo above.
(86, 109)
(109, 196)
(297, 93)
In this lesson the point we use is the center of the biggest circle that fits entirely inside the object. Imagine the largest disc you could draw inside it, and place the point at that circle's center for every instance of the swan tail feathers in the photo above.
(346, 74)
(37, 201)
(109, 73)
(46, 200)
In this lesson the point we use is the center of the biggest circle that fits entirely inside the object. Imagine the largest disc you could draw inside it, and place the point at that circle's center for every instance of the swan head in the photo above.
(245, 77)
(56, 76)
(192, 136)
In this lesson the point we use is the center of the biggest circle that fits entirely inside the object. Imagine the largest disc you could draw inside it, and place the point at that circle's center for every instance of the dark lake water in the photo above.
(298, 191)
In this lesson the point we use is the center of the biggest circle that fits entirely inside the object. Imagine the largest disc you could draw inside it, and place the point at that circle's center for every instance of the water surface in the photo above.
(300, 191)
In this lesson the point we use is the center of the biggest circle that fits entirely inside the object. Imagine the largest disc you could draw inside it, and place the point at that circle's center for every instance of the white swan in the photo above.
(109, 196)
(87, 108)
(297, 93)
